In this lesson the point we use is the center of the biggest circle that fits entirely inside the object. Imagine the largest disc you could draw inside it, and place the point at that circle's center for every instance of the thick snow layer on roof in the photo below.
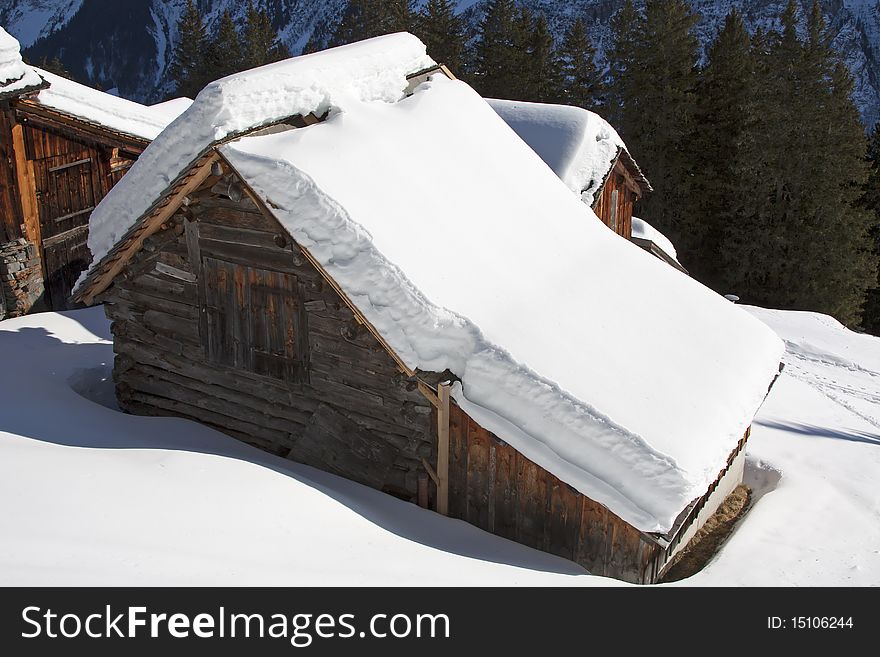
(645, 231)
(372, 70)
(15, 75)
(173, 108)
(579, 145)
(99, 107)
(599, 362)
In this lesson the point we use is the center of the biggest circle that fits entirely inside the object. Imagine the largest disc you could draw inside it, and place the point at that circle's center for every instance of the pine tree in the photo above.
(749, 237)
(225, 55)
(399, 15)
(656, 77)
(189, 66)
(363, 19)
(53, 65)
(542, 68)
(724, 156)
(801, 237)
(443, 32)
(871, 202)
(496, 54)
(582, 84)
(259, 40)
(841, 249)
(626, 33)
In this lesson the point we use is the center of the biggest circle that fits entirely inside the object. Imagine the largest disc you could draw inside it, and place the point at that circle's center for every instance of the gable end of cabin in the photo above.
(221, 319)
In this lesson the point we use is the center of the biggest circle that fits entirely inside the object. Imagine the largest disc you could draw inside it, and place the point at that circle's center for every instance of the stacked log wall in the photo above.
(355, 413)
(496, 488)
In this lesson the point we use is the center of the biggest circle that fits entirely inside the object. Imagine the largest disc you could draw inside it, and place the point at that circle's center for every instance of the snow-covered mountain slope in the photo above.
(190, 506)
(30, 20)
(127, 45)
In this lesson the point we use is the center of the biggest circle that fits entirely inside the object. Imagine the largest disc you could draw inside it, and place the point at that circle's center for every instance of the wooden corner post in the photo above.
(443, 448)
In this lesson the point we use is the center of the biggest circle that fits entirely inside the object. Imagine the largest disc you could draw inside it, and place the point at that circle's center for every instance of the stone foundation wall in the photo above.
(21, 278)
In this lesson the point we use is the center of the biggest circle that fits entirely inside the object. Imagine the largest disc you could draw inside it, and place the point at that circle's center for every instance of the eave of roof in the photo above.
(632, 166)
(652, 247)
(100, 132)
(102, 275)
(25, 92)
(98, 279)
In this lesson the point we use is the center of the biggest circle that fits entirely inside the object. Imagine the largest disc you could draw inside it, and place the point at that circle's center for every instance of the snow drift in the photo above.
(579, 145)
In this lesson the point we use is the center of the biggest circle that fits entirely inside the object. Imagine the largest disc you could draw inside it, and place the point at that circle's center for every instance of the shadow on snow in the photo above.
(821, 432)
(44, 401)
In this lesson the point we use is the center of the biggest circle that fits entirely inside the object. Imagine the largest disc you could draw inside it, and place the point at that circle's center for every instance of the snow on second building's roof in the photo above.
(16, 77)
(579, 145)
(80, 101)
(465, 251)
(643, 230)
(172, 108)
(113, 112)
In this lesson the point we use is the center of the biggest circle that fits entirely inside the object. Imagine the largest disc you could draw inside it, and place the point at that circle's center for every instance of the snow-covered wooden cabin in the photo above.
(349, 260)
(585, 152)
(63, 146)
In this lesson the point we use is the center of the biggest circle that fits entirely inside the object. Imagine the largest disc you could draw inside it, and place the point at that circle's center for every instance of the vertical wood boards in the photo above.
(10, 210)
(26, 186)
(443, 449)
(60, 178)
(614, 205)
(497, 489)
(457, 505)
(255, 320)
(477, 488)
(67, 189)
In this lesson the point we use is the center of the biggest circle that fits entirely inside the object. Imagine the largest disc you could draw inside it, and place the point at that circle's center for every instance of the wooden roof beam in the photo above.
(151, 225)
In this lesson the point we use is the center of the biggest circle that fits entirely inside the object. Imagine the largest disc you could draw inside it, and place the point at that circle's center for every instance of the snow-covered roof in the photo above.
(643, 230)
(79, 101)
(579, 145)
(88, 104)
(16, 77)
(371, 70)
(172, 108)
(466, 252)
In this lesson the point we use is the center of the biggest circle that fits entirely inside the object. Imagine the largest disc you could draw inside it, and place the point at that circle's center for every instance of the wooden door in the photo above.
(255, 320)
(67, 189)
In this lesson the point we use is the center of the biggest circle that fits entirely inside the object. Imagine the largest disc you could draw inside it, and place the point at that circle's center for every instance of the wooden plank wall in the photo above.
(496, 488)
(354, 414)
(617, 180)
(10, 209)
(70, 177)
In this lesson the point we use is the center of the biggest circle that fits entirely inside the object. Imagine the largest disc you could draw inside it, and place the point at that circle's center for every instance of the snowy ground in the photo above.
(92, 496)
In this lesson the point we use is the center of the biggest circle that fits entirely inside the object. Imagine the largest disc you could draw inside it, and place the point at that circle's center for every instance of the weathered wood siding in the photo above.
(71, 176)
(618, 186)
(338, 401)
(496, 488)
(55, 172)
(10, 210)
